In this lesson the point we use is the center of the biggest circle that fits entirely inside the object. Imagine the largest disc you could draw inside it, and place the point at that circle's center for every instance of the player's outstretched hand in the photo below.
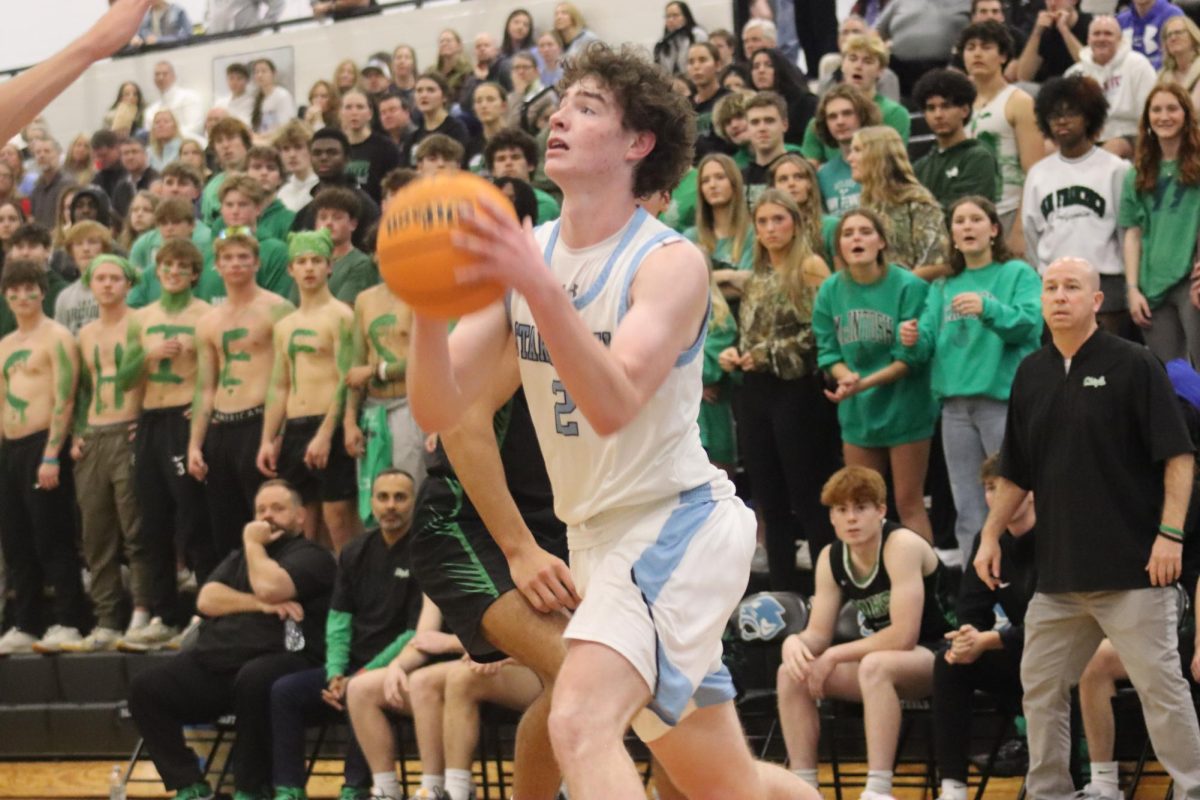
(544, 580)
(505, 250)
(987, 562)
(1166, 561)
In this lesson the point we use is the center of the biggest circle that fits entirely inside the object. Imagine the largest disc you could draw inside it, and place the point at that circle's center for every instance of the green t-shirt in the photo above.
(681, 213)
(839, 191)
(978, 356)
(1169, 217)
(352, 273)
(547, 207)
(275, 222)
(142, 257)
(210, 202)
(858, 325)
(829, 223)
(894, 115)
(966, 168)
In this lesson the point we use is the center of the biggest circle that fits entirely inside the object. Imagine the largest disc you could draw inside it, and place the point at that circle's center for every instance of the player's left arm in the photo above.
(64, 366)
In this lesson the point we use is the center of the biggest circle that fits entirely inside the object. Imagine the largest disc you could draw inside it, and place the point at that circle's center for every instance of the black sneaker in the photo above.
(1012, 760)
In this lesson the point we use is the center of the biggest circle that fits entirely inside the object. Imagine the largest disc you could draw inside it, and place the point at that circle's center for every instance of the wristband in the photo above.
(52, 460)
(382, 372)
(1167, 532)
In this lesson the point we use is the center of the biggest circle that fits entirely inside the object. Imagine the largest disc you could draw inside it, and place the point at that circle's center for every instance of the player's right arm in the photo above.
(800, 649)
(447, 372)
(276, 405)
(202, 400)
(542, 578)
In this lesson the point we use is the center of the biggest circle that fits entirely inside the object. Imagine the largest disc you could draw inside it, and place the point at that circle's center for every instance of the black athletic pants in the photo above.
(37, 533)
(230, 451)
(997, 672)
(295, 704)
(182, 691)
(789, 438)
(173, 508)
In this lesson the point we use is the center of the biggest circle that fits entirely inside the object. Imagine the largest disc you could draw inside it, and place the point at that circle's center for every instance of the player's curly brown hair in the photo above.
(648, 103)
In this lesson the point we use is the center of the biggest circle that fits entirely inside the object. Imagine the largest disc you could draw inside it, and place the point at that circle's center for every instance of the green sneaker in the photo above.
(197, 791)
(289, 793)
(352, 793)
(265, 794)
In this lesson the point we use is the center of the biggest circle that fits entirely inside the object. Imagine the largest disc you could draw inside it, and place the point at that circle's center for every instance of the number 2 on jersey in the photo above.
(564, 406)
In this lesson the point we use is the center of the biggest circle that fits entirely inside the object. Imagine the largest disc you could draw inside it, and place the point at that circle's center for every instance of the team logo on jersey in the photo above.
(1093, 383)
(401, 572)
(761, 619)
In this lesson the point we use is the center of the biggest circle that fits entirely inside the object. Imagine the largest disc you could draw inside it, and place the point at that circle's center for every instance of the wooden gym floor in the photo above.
(52, 780)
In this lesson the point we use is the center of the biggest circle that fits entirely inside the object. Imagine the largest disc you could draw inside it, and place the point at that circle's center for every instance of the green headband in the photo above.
(130, 272)
(304, 243)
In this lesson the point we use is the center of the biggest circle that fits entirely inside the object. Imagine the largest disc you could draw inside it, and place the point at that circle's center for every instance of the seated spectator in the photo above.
(76, 305)
(767, 119)
(226, 16)
(125, 116)
(1003, 119)
(292, 142)
(895, 581)
(192, 153)
(404, 70)
(921, 35)
(37, 531)
(771, 72)
(338, 211)
(452, 64)
(433, 97)
(324, 103)
(12, 217)
(723, 228)
(572, 29)
(863, 60)
(491, 109)
(729, 125)
(992, 11)
(1142, 24)
(489, 67)
(1181, 46)
(31, 242)
(917, 241)
(376, 77)
(758, 34)
(1055, 41)
(231, 140)
(373, 615)
(727, 46)
(342, 9)
(10, 182)
(328, 152)
(106, 150)
(1158, 236)
(273, 104)
(518, 34)
(978, 657)
(264, 610)
(79, 164)
(1072, 198)
(139, 220)
(680, 32)
(794, 175)
(438, 154)
(51, 181)
(957, 166)
(173, 219)
(140, 175)
(776, 353)
(550, 53)
(512, 153)
(885, 408)
(345, 76)
(829, 70)
(185, 103)
(239, 102)
(701, 70)
(1126, 77)
(396, 121)
(528, 98)
(976, 327)
(372, 154)
(164, 23)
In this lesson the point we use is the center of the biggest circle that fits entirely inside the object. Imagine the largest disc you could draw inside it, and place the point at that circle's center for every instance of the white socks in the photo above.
(432, 782)
(385, 783)
(1105, 779)
(953, 790)
(459, 785)
(809, 776)
(879, 781)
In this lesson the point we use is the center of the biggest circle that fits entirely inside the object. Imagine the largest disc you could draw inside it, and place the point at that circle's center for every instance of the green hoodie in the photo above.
(978, 356)
(275, 222)
(858, 325)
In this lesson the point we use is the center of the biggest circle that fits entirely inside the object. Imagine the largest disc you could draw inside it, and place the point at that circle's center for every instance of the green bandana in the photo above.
(131, 274)
(304, 243)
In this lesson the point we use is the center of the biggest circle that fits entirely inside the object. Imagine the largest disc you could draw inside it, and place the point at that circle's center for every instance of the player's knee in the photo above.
(361, 693)
(463, 685)
(1102, 672)
(574, 731)
(788, 685)
(874, 670)
(423, 686)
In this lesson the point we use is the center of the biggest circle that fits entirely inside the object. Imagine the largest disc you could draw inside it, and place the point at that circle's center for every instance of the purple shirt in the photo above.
(1145, 33)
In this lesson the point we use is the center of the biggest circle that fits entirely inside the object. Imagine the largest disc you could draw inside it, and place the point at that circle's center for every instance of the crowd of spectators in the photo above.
(183, 283)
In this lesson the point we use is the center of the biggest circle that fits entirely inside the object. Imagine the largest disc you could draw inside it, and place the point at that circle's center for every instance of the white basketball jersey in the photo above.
(658, 454)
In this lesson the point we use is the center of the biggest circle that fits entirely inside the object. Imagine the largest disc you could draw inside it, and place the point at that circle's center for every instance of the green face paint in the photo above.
(101, 379)
(294, 349)
(226, 379)
(164, 374)
(18, 404)
(174, 302)
(375, 333)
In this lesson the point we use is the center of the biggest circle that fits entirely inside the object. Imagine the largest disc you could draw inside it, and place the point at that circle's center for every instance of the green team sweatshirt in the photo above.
(1168, 218)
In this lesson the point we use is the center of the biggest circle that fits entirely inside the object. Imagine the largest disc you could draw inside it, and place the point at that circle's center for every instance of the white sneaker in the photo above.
(875, 796)
(182, 638)
(153, 636)
(139, 619)
(185, 581)
(16, 641)
(55, 638)
(99, 640)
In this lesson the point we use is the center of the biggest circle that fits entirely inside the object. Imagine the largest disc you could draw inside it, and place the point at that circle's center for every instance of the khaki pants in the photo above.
(408, 441)
(111, 517)
(1062, 631)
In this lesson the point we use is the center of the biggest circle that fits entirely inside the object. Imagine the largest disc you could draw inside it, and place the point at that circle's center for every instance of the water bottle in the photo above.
(116, 786)
(293, 636)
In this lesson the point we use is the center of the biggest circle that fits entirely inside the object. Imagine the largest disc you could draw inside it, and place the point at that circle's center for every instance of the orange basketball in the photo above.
(416, 257)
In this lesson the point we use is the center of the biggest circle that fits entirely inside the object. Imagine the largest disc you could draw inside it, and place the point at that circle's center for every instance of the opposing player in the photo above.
(660, 547)
(233, 345)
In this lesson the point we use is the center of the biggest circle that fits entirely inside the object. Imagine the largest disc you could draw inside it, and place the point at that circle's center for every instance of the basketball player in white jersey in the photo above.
(606, 341)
